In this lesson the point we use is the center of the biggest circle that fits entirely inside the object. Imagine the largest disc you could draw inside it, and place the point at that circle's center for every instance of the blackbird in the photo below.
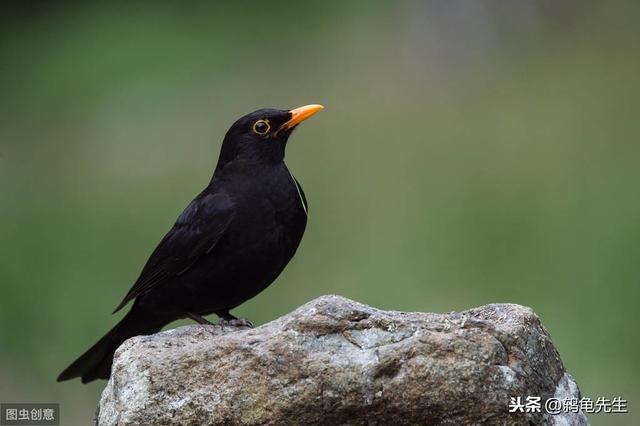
(229, 244)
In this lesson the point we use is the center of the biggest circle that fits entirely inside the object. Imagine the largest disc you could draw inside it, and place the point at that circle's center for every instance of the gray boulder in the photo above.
(334, 361)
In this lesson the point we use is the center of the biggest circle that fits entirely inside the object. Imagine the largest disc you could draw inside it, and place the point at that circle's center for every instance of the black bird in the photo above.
(229, 244)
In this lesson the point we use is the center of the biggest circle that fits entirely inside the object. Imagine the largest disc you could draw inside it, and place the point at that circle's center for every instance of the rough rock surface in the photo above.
(337, 362)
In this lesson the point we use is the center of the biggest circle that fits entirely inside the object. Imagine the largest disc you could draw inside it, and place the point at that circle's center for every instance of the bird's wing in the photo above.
(195, 233)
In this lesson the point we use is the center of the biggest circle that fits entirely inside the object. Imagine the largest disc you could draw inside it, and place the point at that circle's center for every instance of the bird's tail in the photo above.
(96, 362)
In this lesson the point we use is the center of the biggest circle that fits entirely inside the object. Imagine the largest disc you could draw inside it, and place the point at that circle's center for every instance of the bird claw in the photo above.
(236, 322)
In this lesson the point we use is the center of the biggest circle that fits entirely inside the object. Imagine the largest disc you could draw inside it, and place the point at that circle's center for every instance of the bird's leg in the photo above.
(199, 319)
(227, 319)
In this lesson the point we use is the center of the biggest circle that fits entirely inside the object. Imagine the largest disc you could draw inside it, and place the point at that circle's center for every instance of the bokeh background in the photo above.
(470, 152)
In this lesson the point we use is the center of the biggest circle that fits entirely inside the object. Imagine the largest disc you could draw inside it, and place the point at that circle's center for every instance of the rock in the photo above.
(337, 362)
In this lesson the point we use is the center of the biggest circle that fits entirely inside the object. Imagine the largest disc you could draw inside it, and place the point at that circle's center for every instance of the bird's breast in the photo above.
(271, 211)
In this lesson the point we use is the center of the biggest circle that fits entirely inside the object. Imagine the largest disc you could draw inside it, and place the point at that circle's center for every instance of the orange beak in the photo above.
(298, 115)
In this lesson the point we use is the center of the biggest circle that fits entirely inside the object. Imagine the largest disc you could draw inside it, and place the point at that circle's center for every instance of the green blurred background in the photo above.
(469, 153)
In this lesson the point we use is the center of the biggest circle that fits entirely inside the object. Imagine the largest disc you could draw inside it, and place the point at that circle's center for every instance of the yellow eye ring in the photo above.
(261, 127)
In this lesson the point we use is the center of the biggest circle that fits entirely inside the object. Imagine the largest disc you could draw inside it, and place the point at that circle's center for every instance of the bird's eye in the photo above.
(261, 127)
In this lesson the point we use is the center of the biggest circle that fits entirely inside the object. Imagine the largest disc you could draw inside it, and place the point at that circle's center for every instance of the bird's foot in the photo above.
(235, 322)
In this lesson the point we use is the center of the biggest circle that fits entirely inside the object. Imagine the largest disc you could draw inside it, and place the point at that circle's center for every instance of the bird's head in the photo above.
(261, 136)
